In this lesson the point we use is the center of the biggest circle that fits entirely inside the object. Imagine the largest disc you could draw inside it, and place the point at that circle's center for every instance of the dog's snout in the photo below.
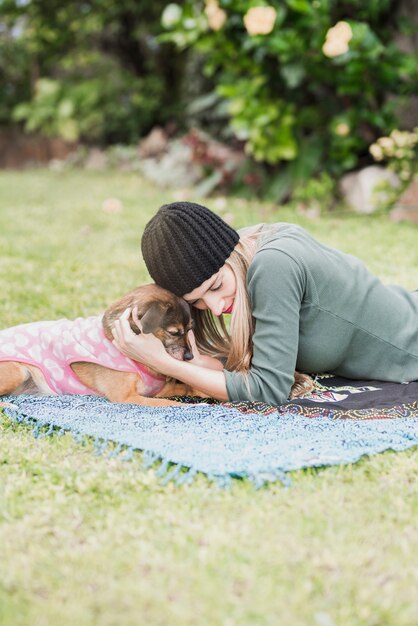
(188, 355)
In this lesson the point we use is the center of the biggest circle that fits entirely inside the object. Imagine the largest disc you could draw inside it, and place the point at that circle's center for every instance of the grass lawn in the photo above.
(85, 540)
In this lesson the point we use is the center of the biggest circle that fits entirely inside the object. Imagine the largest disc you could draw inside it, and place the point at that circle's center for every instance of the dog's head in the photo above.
(161, 312)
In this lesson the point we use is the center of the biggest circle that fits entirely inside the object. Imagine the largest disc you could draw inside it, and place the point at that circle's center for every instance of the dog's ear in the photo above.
(153, 317)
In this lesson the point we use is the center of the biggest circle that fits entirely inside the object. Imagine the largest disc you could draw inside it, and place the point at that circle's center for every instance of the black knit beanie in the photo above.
(184, 244)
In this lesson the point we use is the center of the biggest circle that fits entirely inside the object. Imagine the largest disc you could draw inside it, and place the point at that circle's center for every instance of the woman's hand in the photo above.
(147, 349)
(203, 360)
(144, 348)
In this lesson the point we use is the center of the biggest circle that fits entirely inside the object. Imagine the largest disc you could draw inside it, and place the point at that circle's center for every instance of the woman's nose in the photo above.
(214, 303)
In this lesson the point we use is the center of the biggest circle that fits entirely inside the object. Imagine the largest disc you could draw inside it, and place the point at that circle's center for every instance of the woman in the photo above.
(294, 302)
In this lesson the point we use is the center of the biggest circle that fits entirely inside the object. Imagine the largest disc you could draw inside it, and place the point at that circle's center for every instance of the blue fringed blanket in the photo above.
(339, 423)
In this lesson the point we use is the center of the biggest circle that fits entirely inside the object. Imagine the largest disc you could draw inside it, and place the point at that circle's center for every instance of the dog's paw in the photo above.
(303, 385)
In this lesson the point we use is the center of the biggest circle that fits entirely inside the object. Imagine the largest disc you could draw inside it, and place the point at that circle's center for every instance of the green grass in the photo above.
(85, 540)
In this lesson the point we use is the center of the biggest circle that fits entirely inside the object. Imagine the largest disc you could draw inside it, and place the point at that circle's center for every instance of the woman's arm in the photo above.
(276, 285)
(203, 373)
(210, 381)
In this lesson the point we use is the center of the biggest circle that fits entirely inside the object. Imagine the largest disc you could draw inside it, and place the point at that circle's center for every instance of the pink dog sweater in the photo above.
(53, 346)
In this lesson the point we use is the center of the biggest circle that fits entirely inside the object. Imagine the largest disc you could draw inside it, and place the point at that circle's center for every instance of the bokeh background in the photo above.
(313, 101)
(267, 110)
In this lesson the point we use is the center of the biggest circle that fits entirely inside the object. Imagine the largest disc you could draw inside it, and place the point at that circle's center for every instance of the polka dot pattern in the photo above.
(53, 346)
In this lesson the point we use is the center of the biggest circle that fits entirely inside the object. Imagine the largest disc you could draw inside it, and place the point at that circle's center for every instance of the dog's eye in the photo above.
(176, 333)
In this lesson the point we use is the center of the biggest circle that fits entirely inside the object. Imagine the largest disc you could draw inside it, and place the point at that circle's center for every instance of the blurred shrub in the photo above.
(307, 82)
(399, 151)
(14, 73)
(89, 69)
(316, 195)
(111, 105)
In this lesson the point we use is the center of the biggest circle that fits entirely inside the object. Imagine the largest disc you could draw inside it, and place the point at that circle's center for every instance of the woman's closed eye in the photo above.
(214, 288)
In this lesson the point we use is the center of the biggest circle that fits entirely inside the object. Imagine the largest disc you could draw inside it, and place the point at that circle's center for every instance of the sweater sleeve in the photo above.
(276, 284)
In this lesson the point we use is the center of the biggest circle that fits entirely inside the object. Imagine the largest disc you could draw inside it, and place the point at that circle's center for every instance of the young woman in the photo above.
(295, 304)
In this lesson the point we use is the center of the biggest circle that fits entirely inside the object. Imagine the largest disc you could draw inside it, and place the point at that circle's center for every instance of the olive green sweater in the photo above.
(319, 310)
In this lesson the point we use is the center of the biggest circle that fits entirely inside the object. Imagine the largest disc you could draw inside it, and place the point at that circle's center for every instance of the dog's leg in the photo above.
(303, 385)
(117, 386)
(128, 388)
(12, 376)
(175, 388)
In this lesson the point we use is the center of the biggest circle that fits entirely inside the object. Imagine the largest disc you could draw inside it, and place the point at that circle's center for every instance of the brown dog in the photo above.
(79, 357)
(25, 368)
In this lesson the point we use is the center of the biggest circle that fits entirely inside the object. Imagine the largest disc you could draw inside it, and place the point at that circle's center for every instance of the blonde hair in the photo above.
(233, 347)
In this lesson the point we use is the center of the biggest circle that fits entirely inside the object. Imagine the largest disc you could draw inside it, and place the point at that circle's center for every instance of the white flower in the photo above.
(171, 15)
(376, 152)
(403, 139)
(342, 30)
(335, 48)
(387, 144)
(260, 20)
(216, 16)
(337, 40)
(342, 129)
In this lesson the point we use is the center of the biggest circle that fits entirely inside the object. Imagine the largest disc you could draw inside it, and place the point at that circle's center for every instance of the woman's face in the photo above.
(217, 293)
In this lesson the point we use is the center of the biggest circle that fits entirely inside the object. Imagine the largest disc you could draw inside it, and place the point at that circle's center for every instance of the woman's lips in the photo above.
(228, 310)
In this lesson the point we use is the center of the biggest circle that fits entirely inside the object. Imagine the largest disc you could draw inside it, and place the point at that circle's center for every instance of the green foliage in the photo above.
(266, 127)
(89, 69)
(317, 194)
(300, 77)
(14, 74)
(400, 152)
(114, 105)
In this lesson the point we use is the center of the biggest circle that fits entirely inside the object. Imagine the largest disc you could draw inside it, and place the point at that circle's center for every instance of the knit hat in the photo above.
(184, 244)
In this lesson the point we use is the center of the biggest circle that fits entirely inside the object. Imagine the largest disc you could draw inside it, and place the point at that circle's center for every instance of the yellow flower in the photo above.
(337, 40)
(404, 138)
(342, 129)
(335, 48)
(216, 16)
(260, 20)
(343, 30)
(387, 144)
(376, 152)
